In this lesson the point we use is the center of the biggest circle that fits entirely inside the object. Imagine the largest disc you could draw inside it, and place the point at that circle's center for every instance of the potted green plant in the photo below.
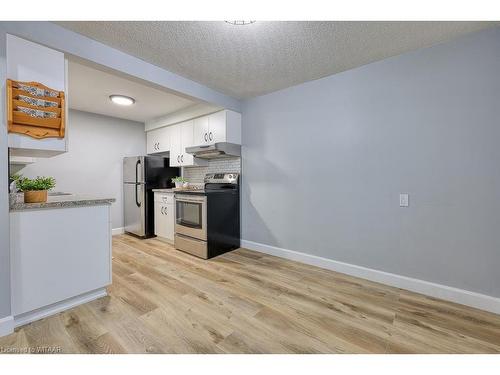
(35, 190)
(179, 182)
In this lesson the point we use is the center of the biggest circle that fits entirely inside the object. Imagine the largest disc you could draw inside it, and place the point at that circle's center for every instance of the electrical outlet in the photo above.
(404, 200)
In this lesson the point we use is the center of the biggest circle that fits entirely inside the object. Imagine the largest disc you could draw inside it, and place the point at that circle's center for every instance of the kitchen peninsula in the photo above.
(60, 253)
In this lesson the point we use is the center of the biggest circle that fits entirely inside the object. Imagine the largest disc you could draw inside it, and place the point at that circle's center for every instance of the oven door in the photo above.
(191, 216)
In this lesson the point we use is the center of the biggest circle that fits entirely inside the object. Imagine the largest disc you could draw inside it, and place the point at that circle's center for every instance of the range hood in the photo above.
(218, 150)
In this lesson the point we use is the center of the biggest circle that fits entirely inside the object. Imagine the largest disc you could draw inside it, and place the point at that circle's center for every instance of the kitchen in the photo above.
(175, 197)
(118, 185)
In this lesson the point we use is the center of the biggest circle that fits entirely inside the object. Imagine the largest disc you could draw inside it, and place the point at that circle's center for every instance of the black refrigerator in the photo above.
(142, 174)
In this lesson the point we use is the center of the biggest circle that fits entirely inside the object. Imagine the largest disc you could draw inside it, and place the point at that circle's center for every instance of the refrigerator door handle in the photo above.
(137, 182)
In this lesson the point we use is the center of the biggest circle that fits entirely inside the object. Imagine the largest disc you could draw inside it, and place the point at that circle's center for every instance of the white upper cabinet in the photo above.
(32, 62)
(222, 126)
(217, 127)
(175, 145)
(181, 136)
(158, 140)
(200, 135)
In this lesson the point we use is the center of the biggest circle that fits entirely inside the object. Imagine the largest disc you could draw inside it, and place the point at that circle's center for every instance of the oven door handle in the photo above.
(201, 201)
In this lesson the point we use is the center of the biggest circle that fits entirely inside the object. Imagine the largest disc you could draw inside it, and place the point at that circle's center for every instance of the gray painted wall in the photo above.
(4, 193)
(93, 164)
(324, 163)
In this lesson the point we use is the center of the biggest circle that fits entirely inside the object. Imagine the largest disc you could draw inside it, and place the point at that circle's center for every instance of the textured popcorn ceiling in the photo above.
(250, 60)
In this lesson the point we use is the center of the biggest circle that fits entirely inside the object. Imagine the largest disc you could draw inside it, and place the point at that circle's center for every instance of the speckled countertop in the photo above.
(163, 190)
(58, 201)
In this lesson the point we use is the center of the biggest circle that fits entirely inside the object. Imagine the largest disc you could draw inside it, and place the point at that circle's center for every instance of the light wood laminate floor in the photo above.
(165, 301)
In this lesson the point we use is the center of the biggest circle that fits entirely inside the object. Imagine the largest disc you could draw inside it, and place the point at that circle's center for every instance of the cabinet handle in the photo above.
(178, 158)
(161, 210)
(182, 158)
(206, 137)
(210, 136)
(165, 211)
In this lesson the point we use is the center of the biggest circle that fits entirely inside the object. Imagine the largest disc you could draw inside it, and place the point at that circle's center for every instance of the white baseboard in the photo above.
(117, 231)
(6, 326)
(464, 297)
(20, 320)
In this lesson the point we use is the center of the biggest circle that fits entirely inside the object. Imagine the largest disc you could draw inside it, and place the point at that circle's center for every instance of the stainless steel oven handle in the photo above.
(190, 200)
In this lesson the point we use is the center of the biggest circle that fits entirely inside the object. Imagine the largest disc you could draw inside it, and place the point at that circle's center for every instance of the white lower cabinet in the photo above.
(164, 216)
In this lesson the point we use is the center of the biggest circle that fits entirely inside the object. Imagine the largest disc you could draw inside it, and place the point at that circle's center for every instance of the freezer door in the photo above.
(133, 169)
(134, 209)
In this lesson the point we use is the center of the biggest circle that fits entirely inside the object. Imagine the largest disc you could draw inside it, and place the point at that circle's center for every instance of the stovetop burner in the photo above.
(214, 183)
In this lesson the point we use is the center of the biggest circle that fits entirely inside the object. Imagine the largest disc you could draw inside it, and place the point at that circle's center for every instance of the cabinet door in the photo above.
(163, 139)
(175, 145)
(187, 134)
(158, 218)
(169, 221)
(200, 131)
(151, 141)
(217, 127)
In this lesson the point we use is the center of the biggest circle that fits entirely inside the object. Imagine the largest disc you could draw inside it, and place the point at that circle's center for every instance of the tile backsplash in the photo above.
(195, 175)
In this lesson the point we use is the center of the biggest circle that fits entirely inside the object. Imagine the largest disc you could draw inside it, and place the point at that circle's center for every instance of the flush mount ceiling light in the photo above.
(122, 99)
(240, 23)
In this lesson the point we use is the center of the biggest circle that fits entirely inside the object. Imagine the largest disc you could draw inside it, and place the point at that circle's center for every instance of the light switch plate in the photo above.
(404, 200)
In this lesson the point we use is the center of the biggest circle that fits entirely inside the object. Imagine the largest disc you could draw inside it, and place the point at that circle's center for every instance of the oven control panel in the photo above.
(222, 178)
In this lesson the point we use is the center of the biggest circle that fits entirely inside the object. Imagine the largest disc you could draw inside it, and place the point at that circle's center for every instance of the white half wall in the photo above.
(93, 164)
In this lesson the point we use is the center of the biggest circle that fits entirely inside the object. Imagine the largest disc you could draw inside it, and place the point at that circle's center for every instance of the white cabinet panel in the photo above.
(151, 141)
(187, 135)
(200, 130)
(164, 216)
(181, 136)
(158, 140)
(28, 61)
(222, 126)
(217, 127)
(58, 254)
(175, 145)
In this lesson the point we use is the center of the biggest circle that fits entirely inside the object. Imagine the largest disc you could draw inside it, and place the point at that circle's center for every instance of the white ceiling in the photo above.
(90, 88)
(246, 61)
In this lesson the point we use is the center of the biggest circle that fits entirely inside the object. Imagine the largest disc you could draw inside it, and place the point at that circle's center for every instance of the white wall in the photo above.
(93, 164)
(4, 196)
(325, 161)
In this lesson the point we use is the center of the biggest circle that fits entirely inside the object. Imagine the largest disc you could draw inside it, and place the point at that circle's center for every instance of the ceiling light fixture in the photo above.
(240, 23)
(122, 99)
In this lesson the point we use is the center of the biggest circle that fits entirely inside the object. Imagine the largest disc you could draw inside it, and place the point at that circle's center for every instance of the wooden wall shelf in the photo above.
(36, 127)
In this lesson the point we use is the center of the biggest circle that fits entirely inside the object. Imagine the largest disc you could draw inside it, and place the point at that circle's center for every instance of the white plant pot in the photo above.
(178, 184)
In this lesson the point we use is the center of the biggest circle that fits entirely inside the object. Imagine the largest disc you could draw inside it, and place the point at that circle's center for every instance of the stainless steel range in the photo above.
(207, 221)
